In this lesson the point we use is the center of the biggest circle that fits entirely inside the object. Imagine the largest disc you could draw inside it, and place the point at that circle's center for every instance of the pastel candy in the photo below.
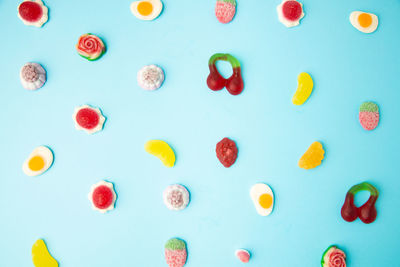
(369, 115)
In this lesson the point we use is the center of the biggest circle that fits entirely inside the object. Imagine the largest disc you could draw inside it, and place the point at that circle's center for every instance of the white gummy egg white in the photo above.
(38, 161)
(363, 21)
(146, 9)
(263, 198)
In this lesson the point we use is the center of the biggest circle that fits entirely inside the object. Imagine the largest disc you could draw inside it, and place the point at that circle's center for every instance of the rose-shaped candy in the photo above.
(90, 47)
(333, 257)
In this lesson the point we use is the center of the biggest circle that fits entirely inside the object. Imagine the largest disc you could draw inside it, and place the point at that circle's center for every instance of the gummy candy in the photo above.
(161, 150)
(33, 12)
(243, 255)
(176, 197)
(175, 252)
(225, 10)
(216, 82)
(369, 115)
(290, 12)
(103, 196)
(41, 256)
(313, 156)
(150, 77)
(89, 119)
(364, 22)
(226, 152)
(304, 88)
(32, 76)
(90, 47)
(367, 212)
(333, 257)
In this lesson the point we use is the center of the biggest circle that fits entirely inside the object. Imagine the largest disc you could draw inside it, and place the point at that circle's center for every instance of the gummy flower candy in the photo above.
(90, 47)
(333, 257)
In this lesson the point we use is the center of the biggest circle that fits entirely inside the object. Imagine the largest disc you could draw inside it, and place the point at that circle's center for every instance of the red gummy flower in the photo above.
(90, 46)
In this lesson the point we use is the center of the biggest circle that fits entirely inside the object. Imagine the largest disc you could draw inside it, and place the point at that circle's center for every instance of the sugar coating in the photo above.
(176, 197)
(225, 10)
(243, 255)
(32, 76)
(150, 77)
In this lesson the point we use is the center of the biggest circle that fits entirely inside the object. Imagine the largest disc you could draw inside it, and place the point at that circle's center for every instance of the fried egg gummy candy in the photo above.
(102, 196)
(313, 156)
(304, 88)
(225, 10)
(39, 161)
(367, 212)
(88, 119)
(216, 81)
(369, 115)
(146, 9)
(363, 21)
(33, 13)
(243, 255)
(161, 150)
(176, 197)
(333, 257)
(175, 252)
(32, 76)
(90, 46)
(263, 199)
(41, 256)
(290, 13)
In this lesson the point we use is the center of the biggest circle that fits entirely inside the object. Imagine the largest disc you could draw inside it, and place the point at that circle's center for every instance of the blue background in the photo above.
(348, 67)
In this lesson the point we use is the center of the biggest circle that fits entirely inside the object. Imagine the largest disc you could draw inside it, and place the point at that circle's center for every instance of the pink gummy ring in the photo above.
(102, 197)
(30, 11)
(292, 10)
(87, 118)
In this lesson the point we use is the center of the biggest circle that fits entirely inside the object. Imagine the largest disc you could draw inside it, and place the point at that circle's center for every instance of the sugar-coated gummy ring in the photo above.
(367, 212)
(216, 81)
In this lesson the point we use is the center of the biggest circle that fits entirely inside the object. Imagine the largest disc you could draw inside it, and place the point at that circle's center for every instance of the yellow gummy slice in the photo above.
(313, 156)
(41, 256)
(161, 150)
(304, 88)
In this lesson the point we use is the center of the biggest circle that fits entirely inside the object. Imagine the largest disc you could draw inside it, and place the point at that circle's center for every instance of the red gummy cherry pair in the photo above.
(367, 212)
(216, 82)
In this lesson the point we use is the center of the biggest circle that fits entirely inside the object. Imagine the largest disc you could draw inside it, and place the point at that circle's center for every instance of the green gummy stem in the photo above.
(175, 244)
(369, 107)
(364, 187)
(233, 2)
(225, 57)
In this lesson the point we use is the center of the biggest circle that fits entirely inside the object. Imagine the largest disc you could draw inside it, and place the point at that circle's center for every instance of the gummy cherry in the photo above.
(367, 212)
(216, 81)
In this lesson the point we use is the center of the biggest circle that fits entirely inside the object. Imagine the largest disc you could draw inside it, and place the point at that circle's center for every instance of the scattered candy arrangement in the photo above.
(176, 197)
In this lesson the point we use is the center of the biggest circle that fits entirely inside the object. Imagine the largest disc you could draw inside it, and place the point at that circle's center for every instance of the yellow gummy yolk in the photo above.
(365, 20)
(265, 201)
(41, 256)
(145, 8)
(36, 163)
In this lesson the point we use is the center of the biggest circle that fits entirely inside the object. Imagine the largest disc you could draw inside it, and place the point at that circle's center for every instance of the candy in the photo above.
(33, 13)
(313, 156)
(304, 88)
(227, 151)
(175, 252)
(39, 161)
(364, 22)
(243, 255)
(369, 115)
(290, 13)
(146, 9)
(41, 256)
(333, 257)
(216, 82)
(90, 47)
(150, 77)
(88, 119)
(161, 150)
(367, 212)
(225, 10)
(32, 76)
(102, 196)
(263, 199)
(176, 197)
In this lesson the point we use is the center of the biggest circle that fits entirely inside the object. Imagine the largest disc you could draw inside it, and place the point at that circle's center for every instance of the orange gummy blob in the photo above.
(265, 201)
(365, 20)
(36, 163)
(313, 156)
(145, 8)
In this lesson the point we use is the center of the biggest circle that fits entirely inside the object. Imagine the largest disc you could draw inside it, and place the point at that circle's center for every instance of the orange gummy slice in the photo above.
(313, 156)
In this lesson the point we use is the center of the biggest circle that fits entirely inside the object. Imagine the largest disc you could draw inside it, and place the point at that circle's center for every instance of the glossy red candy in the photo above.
(367, 212)
(102, 197)
(226, 152)
(292, 10)
(216, 81)
(87, 118)
(30, 11)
